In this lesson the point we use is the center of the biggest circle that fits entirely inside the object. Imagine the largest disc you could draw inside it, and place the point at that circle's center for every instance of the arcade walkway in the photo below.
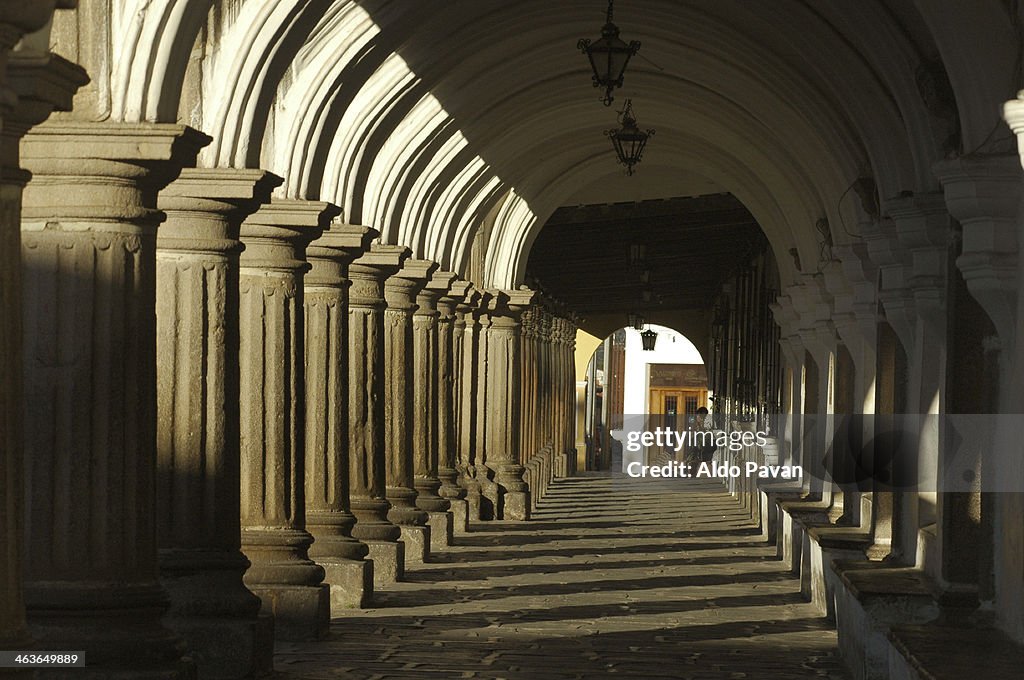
(671, 583)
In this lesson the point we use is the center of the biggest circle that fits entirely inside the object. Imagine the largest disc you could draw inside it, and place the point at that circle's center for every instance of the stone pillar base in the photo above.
(490, 500)
(417, 544)
(107, 641)
(388, 562)
(228, 649)
(351, 583)
(473, 505)
(460, 517)
(442, 528)
(516, 505)
(300, 612)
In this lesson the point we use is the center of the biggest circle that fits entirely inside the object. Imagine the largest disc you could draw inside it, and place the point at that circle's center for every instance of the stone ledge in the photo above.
(866, 580)
(938, 652)
(842, 537)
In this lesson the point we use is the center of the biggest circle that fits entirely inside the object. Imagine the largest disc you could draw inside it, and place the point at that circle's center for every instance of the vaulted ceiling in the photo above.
(692, 245)
(437, 120)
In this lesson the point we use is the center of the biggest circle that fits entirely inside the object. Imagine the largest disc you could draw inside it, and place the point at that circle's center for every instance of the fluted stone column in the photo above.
(426, 409)
(483, 476)
(559, 463)
(329, 515)
(89, 256)
(31, 86)
(504, 408)
(545, 408)
(465, 354)
(450, 331)
(198, 466)
(274, 535)
(401, 290)
(367, 476)
(528, 367)
(570, 396)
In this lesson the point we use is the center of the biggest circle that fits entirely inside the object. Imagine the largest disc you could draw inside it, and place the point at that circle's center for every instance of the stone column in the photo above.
(31, 86)
(329, 515)
(366, 411)
(981, 532)
(529, 411)
(198, 467)
(503, 404)
(400, 291)
(562, 399)
(489, 492)
(89, 259)
(272, 397)
(426, 410)
(570, 396)
(449, 356)
(545, 408)
(466, 340)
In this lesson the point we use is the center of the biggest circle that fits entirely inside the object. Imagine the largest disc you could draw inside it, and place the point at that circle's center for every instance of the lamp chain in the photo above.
(610, 4)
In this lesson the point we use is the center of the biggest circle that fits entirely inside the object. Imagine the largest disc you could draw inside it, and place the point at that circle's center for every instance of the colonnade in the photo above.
(226, 413)
(899, 352)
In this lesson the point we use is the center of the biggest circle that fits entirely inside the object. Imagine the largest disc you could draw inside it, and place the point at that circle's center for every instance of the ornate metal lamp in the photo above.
(608, 56)
(649, 338)
(629, 140)
(635, 321)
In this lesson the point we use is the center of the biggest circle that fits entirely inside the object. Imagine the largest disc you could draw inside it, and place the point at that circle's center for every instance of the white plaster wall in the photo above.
(671, 348)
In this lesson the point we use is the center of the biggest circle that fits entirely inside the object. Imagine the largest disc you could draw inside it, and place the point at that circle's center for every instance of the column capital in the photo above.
(211, 204)
(72, 147)
(277, 234)
(331, 254)
(379, 262)
(984, 193)
(43, 83)
(429, 298)
(103, 173)
(469, 301)
(1013, 114)
(448, 304)
(508, 305)
(402, 287)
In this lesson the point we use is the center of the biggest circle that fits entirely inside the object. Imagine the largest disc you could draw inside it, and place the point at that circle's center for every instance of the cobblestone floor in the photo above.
(671, 582)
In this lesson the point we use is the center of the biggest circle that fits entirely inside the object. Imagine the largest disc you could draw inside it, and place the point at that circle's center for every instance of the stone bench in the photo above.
(871, 598)
(794, 516)
(770, 494)
(952, 652)
(825, 545)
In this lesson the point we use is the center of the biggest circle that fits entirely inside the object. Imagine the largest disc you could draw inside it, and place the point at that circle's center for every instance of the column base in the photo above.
(516, 505)
(490, 500)
(228, 649)
(460, 517)
(300, 612)
(117, 626)
(350, 581)
(417, 544)
(388, 562)
(442, 527)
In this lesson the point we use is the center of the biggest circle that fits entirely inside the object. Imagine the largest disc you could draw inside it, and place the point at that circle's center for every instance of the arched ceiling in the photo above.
(420, 118)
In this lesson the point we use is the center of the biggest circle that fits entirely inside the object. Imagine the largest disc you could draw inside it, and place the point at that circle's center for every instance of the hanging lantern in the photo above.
(629, 140)
(635, 321)
(649, 338)
(608, 56)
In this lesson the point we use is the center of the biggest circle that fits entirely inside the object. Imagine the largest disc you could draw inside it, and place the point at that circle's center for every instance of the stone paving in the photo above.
(612, 578)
